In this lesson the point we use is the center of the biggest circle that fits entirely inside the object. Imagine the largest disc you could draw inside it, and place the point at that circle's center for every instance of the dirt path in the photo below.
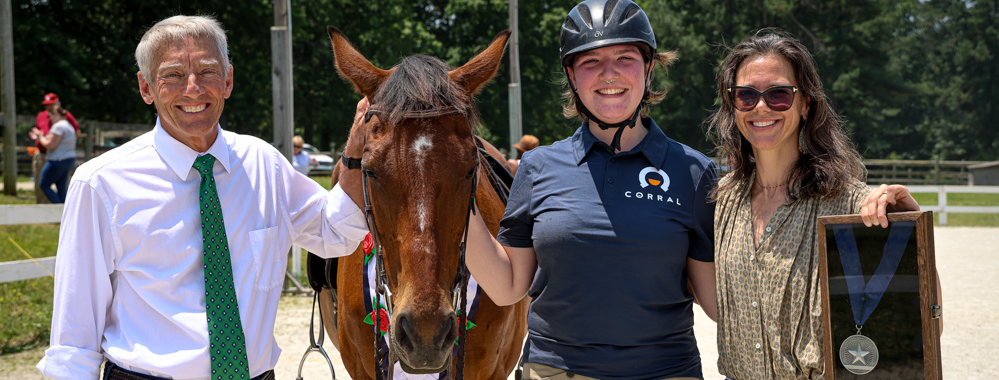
(292, 334)
(968, 264)
(967, 260)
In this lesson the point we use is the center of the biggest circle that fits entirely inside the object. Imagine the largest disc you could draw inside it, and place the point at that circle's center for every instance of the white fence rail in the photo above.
(26, 269)
(941, 208)
(28, 214)
(36, 214)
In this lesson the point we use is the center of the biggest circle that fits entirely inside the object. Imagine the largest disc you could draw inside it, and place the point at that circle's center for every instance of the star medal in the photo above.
(858, 353)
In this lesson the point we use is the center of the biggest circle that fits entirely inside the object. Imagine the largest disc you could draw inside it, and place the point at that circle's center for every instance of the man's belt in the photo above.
(114, 372)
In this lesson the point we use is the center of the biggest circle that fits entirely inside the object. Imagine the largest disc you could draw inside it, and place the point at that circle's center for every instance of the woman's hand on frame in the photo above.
(885, 199)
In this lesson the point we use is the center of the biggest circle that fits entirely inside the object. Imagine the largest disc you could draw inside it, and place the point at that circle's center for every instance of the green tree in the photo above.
(913, 78)
(849, 40)
(952, 51)
(84, 51)
(384, 31)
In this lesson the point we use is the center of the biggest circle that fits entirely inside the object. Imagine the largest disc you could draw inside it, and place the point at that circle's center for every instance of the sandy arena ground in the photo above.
(967, 260)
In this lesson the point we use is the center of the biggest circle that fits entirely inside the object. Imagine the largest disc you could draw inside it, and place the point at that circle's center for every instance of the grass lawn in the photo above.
(25, 314)
(325, 181)
(23, 197)
(25, 306)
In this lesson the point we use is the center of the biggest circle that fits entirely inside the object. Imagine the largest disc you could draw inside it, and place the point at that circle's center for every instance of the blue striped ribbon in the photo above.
(864, 299)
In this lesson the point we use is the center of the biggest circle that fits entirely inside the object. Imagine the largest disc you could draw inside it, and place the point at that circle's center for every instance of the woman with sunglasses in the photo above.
(605, 228)
(790, 163)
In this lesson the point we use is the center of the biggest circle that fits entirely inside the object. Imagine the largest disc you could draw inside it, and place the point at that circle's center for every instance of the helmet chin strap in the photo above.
(630, 122)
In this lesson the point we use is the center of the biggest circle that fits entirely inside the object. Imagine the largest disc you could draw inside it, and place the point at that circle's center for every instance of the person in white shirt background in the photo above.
(130, 283)
(301, 159)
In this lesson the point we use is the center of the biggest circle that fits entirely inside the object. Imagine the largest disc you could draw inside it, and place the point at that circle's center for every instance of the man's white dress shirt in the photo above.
(129, 280)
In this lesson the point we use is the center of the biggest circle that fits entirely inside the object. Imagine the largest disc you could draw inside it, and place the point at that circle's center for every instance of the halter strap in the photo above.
(350, 163)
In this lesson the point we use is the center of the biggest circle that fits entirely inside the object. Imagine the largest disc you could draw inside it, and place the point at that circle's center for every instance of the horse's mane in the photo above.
(421, 83)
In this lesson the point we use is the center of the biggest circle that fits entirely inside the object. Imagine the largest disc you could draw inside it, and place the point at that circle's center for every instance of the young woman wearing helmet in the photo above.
(605, 229)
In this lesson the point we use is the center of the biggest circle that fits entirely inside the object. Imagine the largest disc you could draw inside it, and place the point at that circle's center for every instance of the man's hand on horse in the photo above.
(350, 180)
(355, 143)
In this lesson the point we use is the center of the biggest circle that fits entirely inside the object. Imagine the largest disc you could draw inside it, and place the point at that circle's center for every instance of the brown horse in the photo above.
(420, 159)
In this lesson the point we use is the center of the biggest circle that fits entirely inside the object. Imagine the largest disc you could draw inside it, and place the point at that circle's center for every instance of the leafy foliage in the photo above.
(913, 78)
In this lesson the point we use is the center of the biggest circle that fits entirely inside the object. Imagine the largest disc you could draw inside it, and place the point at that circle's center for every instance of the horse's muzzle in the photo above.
(423, 345)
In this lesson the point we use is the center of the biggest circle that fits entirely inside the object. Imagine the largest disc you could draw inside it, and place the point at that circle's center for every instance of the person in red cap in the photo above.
(43, 123)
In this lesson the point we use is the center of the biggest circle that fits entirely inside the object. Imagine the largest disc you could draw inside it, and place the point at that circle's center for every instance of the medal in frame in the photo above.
(879, 285)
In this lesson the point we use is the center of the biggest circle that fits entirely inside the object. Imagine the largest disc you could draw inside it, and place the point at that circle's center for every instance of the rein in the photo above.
(382, 290)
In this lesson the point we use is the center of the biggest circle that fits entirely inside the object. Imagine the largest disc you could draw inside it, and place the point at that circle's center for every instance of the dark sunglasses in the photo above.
(778, 98)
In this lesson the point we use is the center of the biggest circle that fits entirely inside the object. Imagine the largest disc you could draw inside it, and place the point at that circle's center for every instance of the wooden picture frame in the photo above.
(892, 325)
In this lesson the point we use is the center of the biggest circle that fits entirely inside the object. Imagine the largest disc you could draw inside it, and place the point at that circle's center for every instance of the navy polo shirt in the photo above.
(612, 235)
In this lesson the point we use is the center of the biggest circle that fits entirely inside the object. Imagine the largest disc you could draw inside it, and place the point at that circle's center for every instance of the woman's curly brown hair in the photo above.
(829, 160)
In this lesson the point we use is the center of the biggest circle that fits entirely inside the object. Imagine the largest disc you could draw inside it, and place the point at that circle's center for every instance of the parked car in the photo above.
(325, 162)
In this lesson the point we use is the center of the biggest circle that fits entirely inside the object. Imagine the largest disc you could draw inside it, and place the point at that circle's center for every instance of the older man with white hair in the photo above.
(173, 247)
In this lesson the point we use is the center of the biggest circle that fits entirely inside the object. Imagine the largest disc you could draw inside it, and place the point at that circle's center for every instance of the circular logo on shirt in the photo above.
(654, 177)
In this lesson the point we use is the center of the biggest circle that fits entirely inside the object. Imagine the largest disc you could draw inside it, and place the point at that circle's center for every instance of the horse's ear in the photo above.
(481, 69)
(354, 67)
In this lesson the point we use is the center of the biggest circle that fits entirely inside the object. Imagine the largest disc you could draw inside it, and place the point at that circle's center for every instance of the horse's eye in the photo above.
(471, 173)
(371, 174)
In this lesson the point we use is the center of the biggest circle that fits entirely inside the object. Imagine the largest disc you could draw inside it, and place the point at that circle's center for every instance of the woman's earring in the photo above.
(802, 143)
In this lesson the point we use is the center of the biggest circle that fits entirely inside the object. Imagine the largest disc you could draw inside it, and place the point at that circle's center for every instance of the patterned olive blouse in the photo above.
(769, 309)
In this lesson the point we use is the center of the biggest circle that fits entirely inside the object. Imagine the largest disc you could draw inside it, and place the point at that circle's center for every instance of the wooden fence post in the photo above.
(88, 145)
(936, 171)
(9, 135)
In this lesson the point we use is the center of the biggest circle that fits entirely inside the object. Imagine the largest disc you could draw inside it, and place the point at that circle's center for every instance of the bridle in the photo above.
(459, 293)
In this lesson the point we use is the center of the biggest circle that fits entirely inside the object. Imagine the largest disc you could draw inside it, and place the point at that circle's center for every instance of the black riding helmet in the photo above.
(597, 23)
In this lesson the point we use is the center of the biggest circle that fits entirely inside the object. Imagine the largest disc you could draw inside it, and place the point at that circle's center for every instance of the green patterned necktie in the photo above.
(225, 332)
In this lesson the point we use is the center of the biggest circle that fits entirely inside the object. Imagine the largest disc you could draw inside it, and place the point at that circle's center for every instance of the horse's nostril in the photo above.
(448, 331)
(403, 333)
